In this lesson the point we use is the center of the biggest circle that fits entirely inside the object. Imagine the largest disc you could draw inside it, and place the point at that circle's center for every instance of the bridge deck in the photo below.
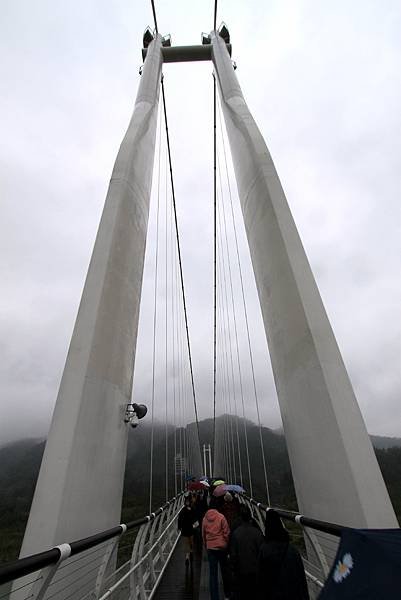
(181, 582)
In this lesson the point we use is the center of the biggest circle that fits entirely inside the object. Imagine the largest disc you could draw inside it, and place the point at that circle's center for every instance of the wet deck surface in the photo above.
(180, 582)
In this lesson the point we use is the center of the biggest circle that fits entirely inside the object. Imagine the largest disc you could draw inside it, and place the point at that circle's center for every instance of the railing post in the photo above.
(106, 560)
(137, 580)
(40, 587)
(171, 514)
(174, 508)
(255, 509)
(314, 542)
(151, 568)
(166, 541)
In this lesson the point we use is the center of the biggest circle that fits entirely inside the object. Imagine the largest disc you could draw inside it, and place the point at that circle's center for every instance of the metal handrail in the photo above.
(154, 546)
(326, 527)
(323, 560)
(30, 564)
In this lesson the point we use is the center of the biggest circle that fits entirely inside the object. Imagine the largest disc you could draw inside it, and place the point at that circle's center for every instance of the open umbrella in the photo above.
(218, 482)
(195, 485)
(220, 490)
(204, 483)
(235, 488)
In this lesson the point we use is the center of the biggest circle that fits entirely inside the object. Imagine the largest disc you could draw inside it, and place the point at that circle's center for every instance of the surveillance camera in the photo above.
(134, 421)
(133, 413)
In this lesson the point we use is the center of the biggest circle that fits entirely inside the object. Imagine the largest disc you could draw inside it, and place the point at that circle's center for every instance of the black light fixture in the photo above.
(206, 39)
(147, 37)
(224, 33)
(140, 410)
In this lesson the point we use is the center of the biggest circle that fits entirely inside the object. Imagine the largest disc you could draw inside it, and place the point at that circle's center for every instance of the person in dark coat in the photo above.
(201, 506)
(245, 543)
(229, 507)
(186, 521)
(281, 574)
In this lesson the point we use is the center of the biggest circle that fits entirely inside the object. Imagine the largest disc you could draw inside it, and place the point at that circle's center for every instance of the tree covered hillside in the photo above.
(20, 464)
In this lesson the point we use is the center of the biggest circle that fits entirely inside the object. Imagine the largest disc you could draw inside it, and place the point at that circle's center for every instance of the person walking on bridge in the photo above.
(281, 574)
(230, 509)
(215, 534)
(186, 521)
(245, 543)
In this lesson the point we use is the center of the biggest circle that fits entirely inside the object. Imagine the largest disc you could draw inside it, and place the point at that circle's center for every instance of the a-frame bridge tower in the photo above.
(80, 484)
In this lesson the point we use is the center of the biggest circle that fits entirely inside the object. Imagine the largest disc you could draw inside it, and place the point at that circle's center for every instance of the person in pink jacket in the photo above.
(215, 535)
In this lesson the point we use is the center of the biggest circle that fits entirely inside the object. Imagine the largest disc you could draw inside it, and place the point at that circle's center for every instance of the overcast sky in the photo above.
(323, 82)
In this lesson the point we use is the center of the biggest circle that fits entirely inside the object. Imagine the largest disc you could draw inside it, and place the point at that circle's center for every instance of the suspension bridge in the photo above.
(74, 545)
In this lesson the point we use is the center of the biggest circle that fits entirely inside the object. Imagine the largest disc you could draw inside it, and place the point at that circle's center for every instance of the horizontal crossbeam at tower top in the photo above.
(195, 53)
(199, 52)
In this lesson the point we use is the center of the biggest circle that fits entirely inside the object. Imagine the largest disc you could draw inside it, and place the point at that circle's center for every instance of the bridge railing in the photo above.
(321, 540)
(104, 566)
(87, 569)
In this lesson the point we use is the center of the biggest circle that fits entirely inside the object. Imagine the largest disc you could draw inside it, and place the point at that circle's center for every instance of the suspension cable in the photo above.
(223, 385)
(173, 347)
(246, 316)
(166, 330)
(178, 243)
(238, 359)
(182, 432)
(230, 347)
(225, 382)
(225, 376)
(154, 15)
(227, 343)
(215, 15)
(223, 225)
(154, 323)
(214, 260)
(180, 264)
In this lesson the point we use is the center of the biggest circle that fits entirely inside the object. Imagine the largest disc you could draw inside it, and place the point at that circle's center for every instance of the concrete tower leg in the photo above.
(335, 471)
(80, 484)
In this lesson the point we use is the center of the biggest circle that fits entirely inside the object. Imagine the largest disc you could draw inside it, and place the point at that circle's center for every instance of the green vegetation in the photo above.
(389, 460)
(20, 464)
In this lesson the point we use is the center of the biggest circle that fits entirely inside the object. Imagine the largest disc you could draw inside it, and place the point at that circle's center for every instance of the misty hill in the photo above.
(20, 463)
(380, 441)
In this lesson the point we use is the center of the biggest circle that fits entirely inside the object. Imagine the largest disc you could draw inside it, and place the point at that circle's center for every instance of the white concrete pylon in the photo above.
(335, 470)
(80, 484)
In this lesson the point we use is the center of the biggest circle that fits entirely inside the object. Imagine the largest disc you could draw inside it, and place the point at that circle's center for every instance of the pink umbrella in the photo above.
(220, 490)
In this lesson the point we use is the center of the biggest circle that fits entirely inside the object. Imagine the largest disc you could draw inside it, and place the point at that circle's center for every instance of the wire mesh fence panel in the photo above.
(77, 575)
(314, 577)
(20, 589)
